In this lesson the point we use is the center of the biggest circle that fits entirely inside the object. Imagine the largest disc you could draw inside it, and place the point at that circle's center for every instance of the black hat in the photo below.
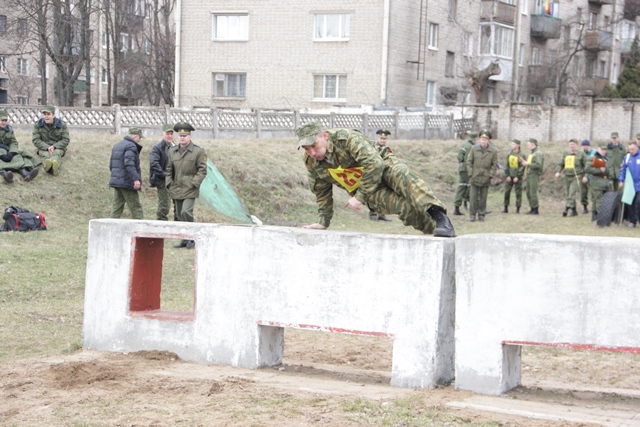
(183, 128)
(383, 132)
(485, 133)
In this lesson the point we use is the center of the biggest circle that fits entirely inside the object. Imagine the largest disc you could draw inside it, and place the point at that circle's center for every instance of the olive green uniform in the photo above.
(513, 169)
(615, 154)
(584, 186)
(572, 175)
(21, 159)
(462, 193)
(599, 181)
(186, 169)
(481, 166)
(386, 185)
(55, 134)
(533, 170)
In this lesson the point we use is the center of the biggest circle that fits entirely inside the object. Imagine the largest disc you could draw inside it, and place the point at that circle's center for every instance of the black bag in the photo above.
(18, 219)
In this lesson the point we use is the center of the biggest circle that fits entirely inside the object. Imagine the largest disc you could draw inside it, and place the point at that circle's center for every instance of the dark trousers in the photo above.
(634, 209)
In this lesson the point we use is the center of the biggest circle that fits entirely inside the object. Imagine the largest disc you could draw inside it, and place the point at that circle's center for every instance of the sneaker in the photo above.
(47, 165)
(56, 167)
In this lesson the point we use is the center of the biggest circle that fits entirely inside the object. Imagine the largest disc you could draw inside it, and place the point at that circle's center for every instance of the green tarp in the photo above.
(216, 193)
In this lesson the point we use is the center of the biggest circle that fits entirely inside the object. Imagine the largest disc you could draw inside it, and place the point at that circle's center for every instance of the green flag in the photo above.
(628, 191)
(216, 193)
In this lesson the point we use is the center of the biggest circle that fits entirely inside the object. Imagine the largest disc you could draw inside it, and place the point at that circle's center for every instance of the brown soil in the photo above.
(327, 379)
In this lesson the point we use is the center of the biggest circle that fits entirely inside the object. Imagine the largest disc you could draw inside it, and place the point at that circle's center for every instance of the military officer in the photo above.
(383, 137)
(615, 154)
(186, 169)
(514, 175)
(346, 158)
(533, 167)
(12, 159)
(599, 171)
(572, 166)
(157, 170)
(462, 193)
(51, 138)
(584, 183)
(482, 163)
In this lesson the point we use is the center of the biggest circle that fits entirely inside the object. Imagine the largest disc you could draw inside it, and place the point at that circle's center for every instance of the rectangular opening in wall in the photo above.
(178, 278)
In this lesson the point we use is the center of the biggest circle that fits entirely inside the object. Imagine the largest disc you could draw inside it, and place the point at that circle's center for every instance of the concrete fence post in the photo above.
(365, 123)
(258, 116)
(214, 114)
(117, 119)
(332, 120)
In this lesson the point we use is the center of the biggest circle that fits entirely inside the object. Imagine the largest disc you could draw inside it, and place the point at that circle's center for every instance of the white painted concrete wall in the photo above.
(563, 290)
(248, 276)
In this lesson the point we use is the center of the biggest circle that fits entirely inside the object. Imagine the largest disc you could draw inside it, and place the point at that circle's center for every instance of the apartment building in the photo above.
(402, 53)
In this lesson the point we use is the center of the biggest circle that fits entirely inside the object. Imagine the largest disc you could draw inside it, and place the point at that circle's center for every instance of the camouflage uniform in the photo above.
(533, 170)
(12, 159)
(513, 169)
(387, 185)
(572, 175)
(462, 193)
(45, 135)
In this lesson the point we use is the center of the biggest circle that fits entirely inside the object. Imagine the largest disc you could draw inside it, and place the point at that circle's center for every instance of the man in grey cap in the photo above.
(346, 158)
(158, 171)
(125, 174)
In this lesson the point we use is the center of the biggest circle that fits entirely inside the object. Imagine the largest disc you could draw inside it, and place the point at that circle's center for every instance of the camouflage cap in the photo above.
(575, 141)
(533, 141)
(516, 141)
(4, 115)
(472, 135)
(614, 134)
(307, 133)
(603, 145)
(167, 128)
(486, 133)
(585, 142)
(136, 131)
(183, 128)
(48, 109)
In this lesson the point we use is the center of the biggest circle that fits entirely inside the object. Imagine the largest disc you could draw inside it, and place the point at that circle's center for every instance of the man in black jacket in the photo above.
(125, 174)
(158, 170)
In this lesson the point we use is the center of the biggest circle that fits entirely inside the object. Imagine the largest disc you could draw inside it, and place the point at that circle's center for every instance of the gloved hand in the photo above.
(7, 157)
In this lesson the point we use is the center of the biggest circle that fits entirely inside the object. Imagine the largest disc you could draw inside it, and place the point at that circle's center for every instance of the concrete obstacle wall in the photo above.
(563, 291)
(251, 282)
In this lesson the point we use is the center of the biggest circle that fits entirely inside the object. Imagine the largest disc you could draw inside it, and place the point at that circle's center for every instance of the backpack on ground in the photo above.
(18, 219)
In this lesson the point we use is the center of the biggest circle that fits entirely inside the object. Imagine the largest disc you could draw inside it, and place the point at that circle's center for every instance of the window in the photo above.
(449, 64)
(524, 7)
(536, 56)
(138, 7)
(3, 64)
(602, 69)
(146, 46)
(105, 76)
(92, 75)
(229, 85)
(453, 6)
(590, 69)
(496, 40)
(231, 27)
(607, 23)
(22, 100)
(23, 68)
(330, 86)
(468, 43)
(22, 26)
(124, 42)
(332, 26)
(46, 71)
(105, 40)
(3, 25)
(593, 21)
(614, 76)
(431, 93)
(433, 35)
(535, 98)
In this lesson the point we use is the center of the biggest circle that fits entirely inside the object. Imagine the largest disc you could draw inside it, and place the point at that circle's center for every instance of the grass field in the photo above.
(42, 273)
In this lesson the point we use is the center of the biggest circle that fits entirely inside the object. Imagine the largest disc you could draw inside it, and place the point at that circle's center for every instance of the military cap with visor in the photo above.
(48, 109)
(183, 128)
(383, 132)
(4, 115)
(485, 133)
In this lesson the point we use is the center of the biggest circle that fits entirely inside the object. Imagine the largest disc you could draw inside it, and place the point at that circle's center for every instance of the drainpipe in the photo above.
(515, 73)
(177, 76)
(384, 64)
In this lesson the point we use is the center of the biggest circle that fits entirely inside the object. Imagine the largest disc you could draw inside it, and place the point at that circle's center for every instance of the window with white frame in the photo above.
(229, 85)
(602, 69)
(22, 100)
(105, 76)
(330, 86)
(92, 75)
(524, 7)
(536, 56)
(3, 64)
(124, 42)
(521, 55)
(535, 98)
(146, 46)
(105, 39)
(593, 20)
(468, 43)
(23, 67)
(431, 93)
(496, 40)
(46, 70)
(453, 7)
(22, 26)
(332, 26)
(433, 35)
(139, 7)
(231, 27)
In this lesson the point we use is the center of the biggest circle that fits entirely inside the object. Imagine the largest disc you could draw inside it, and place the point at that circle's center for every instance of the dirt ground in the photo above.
(327, 379)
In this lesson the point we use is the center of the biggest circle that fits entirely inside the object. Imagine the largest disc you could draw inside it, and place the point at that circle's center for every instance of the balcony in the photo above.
(596, 40)
(594, 84)
(540, 77)
(545, 26)
(497, 11)
(601, 2)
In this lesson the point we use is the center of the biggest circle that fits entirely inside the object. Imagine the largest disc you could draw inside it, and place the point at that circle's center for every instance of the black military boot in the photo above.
(456, 211)
(383, 217)
(585, 210)
(594, 215)
(565, 211)
(465, 205)
(373, 216)
(27, 174)
(7, 175)
(182, 244)
(505, 210)
(533, 211)
(574, 212)
(444, 228)
(517, 209)
(191, 244)
(480, 217)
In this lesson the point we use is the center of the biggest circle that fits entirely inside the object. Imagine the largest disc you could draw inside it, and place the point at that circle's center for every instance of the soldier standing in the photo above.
(186, 169)
(599, 171)
(534, 165)
(482, 163)
(346, 158)
(51, 138)
(615, 154)
(584, 183)
(462, 193)
(157, 170)
(514, 173)
(572, 166)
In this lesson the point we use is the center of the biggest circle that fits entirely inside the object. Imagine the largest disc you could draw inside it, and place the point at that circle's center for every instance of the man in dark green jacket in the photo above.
(346, 158)
(533, 168)
(615, 154)
(462, 193)
(572, 166)
(12, 159)
(482, 163)
(186, 169)
(599, 171)
(51, 138)
(514, 175)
